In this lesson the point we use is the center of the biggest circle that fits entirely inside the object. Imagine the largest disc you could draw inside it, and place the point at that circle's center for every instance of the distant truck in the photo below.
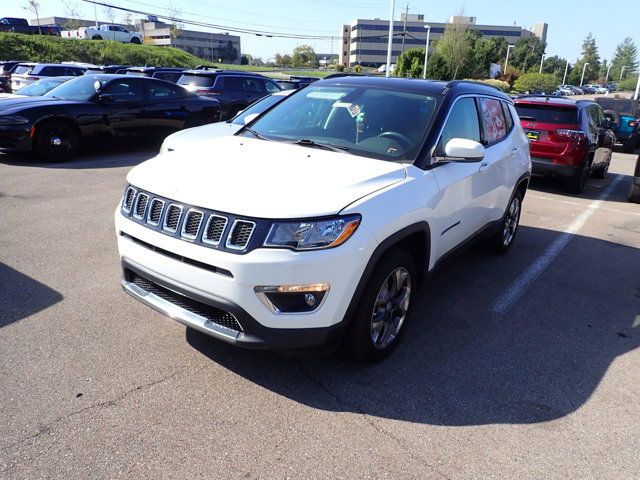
(104, 32)
(20, 25)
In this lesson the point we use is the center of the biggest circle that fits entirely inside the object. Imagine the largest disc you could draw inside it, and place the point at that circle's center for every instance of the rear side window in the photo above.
(462, 123)
(196, 80)
(507, 116)
(234, 83)
(271, 86)
(548, 114)
(494, 126)
(22, 69)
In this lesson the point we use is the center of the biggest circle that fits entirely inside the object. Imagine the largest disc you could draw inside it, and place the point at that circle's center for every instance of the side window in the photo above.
(271, 87)
(233, 83)
(593, 116)
(507, 116)
(493, 121)
(601, 119)
(462, 123)
(158, 91)
(125, 90)
(255, 85)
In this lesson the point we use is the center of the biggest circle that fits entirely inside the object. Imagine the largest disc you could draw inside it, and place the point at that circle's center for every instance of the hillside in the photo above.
(41, 48)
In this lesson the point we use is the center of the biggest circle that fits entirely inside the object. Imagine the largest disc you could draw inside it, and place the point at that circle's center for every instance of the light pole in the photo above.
(635, 95)
(583, 70)
(607, 75)
(566, 69)
(541, 62)
(506, 60)
(390, 43)
(622, 72)
(426, 52)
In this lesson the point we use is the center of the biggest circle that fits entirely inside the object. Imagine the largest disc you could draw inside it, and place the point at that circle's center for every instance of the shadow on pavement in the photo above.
(460, 364)
(105, 157)
(22, 296)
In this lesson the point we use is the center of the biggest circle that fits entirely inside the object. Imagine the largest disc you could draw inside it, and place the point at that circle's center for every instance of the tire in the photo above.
(634, 192)
(369, 340)
(96, 37)
(502, 240)
(56, 141)
(135, 40)
(629, 145)
(601, 172)
(576, 183)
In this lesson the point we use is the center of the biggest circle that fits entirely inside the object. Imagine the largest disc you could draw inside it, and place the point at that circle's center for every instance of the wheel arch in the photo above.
(53, 118)
(415, 239)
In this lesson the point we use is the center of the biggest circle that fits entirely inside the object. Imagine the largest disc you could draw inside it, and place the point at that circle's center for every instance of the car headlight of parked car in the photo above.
(312, 234)
(13, 120)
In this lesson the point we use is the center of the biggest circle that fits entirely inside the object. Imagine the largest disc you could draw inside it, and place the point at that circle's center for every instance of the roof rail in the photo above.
(454, 83)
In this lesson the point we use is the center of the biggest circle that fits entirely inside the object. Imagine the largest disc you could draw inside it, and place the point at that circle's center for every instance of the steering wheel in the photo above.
(398, 137)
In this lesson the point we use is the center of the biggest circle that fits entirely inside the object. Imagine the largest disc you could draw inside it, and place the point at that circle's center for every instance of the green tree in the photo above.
(282, 60)
(535, 82)
(410, 64)
(590, 56)
(554, 65)
(626, 55)
(304, 56)
(527, 53)
(485, 52)
(455, 48)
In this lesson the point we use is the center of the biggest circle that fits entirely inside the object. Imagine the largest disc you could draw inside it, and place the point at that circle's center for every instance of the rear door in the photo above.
(166, 108)
(461, 209)
(125, 115)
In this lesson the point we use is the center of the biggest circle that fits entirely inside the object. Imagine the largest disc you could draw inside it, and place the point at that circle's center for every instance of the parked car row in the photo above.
(569, 90)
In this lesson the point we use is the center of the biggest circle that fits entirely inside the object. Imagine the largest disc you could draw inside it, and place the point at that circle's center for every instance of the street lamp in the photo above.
(566, 69)
(541, 62)
(583, 70)
(426, 52)
(607, 75)
(622, 72)
(390, 43)
(506, 60)
(635, 95)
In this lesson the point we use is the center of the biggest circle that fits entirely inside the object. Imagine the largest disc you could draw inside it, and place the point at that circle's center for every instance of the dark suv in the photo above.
(568, 138)
(235, 90)
(170, 74)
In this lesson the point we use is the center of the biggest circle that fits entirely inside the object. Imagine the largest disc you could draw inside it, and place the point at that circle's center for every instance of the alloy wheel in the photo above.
(390, 308)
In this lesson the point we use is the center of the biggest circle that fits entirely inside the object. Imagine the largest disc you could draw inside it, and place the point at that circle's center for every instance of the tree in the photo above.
(527, 53)
(554, 65)
(282, 60)
(176, 25)
(626, 55)
(127, 19)
(485, 52)
(590, 56)
(72, 11)
(304, 56)
(246, 59)
(455, 48)
(110, 14)
(33, 6)
(410, 64)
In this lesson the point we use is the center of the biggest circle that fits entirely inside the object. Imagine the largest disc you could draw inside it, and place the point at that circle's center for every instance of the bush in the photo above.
(536, 82)
(340, 68)
(357, 68)
(628, 84)
(49, 49)
(499, 84)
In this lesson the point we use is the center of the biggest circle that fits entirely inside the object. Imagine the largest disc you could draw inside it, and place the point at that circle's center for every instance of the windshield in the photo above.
(80, 89)
(258, 107)
(362, 120)
(40, 87)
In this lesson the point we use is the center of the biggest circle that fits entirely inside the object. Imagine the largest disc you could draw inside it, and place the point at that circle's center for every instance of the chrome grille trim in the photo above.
(185, 224)
(232, 231)
(141, 200)
(165, 225)
(205, 234)
(127, 204)
(151, 211)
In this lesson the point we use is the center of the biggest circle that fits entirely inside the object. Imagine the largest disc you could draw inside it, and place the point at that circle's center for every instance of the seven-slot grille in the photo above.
(188, 223)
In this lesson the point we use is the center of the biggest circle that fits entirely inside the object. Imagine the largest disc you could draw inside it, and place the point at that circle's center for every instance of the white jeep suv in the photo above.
(315, 223)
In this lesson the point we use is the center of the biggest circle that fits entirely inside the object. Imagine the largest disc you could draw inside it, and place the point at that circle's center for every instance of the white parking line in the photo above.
(512, 294)
(567, 202)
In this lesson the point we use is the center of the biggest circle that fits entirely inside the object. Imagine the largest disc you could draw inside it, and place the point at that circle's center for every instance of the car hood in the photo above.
(205, 133)
(31, 102)
(264, 179)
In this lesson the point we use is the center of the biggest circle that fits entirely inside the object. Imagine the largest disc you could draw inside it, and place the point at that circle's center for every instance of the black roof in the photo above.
(215, 73)
(154, 69)
(415, 85)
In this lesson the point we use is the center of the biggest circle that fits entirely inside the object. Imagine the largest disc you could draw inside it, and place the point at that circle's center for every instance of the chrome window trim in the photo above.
(165, 216)
(183, 232)
(150, 209)
(206, 227)
(134, 207)
(230, 234)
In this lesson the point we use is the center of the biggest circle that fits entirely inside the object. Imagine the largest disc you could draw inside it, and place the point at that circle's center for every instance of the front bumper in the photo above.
(15, 138)
(226, 281)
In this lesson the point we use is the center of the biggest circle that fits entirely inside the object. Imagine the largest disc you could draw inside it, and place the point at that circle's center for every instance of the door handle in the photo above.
(515, 149)
(483, 166)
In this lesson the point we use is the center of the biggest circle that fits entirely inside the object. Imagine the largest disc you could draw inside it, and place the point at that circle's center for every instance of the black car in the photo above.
(235, 90)
(6, 68)
(99, 69)
(95, 108)
(169, 74)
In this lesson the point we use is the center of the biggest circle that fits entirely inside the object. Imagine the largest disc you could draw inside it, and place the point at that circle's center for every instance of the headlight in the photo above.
(312, 234)
(13, 120)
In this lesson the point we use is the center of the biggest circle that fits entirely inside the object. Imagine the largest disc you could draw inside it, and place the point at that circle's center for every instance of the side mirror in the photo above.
(250, 118)
(464, 150)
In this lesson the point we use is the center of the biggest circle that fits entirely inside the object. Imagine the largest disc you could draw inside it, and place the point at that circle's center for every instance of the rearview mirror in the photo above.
(462, 149)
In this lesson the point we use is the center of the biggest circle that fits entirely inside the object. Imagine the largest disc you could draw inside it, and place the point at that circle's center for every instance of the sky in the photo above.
(569, 21)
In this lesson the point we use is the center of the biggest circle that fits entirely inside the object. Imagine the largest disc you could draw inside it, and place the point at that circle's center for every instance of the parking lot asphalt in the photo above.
(520, 366)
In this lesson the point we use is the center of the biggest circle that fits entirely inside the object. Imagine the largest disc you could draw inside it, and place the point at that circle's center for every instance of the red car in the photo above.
(568, 138)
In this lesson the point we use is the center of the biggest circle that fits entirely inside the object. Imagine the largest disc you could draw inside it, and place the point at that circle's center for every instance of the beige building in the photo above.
(364, 42)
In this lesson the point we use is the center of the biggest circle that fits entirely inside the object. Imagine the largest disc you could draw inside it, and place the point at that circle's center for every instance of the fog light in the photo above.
(292, 298)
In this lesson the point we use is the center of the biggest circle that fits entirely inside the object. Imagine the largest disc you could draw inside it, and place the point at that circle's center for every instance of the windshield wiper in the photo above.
(255, 134)
(305, 142)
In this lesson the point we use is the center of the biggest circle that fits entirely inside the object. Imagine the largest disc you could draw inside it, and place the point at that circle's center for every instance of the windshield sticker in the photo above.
(326, 95)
